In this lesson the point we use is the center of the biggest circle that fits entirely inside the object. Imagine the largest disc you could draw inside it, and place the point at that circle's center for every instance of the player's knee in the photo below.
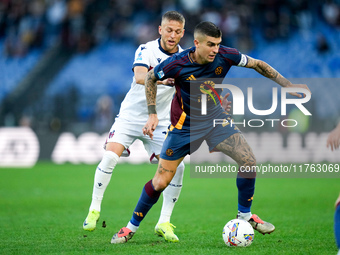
(160, 184)
(108, 162)
(180, 169)
(177, 180)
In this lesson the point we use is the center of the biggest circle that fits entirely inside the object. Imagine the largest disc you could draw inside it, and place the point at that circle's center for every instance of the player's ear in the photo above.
(160, 30)
(183, 33)
(196, 42)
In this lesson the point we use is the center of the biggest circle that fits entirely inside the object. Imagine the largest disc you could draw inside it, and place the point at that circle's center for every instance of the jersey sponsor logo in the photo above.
(218, 70)
(208, 87)
(160, 74)
(169, 152)
(191, 78)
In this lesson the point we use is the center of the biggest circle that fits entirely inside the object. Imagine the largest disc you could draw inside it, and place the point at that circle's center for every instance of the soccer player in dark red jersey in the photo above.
(195, 70)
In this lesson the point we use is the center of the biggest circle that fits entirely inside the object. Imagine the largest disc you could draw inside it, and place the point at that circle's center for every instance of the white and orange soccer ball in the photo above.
(238, 233)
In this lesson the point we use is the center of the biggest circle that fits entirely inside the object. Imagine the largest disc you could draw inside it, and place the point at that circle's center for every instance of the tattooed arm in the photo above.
(140, 74)
(266, 70)
(151, 92)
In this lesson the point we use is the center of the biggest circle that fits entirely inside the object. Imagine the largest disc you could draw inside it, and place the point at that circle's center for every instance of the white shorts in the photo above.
(126, 133)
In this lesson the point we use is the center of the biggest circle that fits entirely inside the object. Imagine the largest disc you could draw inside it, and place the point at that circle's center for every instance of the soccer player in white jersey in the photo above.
(132, 116)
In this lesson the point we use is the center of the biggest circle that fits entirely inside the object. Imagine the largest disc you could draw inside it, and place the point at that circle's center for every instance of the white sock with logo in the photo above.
(102, 178)
(171, 194)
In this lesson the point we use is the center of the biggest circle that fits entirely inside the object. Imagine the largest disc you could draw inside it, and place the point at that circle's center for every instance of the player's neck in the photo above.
(195, 57)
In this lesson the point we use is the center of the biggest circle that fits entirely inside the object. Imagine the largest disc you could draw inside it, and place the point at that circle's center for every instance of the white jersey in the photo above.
(134, 107)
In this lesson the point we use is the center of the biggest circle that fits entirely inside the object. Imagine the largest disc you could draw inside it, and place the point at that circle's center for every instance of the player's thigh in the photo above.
(237, 147)
(154, 146)
(165, 172)
(123, 133)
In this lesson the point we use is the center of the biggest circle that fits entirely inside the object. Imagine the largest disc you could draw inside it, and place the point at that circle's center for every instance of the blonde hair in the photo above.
(173, 15)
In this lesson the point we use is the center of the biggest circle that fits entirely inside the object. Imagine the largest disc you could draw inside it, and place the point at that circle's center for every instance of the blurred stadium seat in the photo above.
(12, 70)
(105, 70)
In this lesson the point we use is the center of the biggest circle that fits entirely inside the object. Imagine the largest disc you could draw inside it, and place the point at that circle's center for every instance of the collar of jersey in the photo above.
(192, 49)
(162, 50)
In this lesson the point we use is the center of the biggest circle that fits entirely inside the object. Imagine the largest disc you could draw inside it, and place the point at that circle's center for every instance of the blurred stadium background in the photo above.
(65, 67)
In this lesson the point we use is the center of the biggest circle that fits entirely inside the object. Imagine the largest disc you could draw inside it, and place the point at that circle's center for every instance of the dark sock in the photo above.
(148, 198)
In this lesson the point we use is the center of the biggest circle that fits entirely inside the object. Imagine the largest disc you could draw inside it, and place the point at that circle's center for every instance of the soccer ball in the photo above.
(238, 233)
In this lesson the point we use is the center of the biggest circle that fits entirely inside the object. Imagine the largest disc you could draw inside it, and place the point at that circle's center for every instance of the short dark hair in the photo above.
(208, 29)
(173, 15)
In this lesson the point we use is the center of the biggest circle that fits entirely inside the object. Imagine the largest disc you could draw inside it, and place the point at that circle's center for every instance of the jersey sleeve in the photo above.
(233, 56)
(142, 57)
(166, 69)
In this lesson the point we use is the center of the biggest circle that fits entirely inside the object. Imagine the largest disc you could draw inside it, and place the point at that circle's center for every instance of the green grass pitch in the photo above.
(42, 210)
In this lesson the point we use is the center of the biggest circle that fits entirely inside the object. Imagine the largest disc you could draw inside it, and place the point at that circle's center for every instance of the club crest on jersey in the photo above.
(111, 134)
(218, 70)
(208, 87)
(169, 152)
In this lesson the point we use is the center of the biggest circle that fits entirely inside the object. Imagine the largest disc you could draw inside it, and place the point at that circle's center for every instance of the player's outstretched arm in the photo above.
(334, 138)
(151, 92)
(266, 70)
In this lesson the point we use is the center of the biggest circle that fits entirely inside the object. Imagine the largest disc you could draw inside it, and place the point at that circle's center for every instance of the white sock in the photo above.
(171, 194)
(244, 216)
(102, 178)
(132, 227)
